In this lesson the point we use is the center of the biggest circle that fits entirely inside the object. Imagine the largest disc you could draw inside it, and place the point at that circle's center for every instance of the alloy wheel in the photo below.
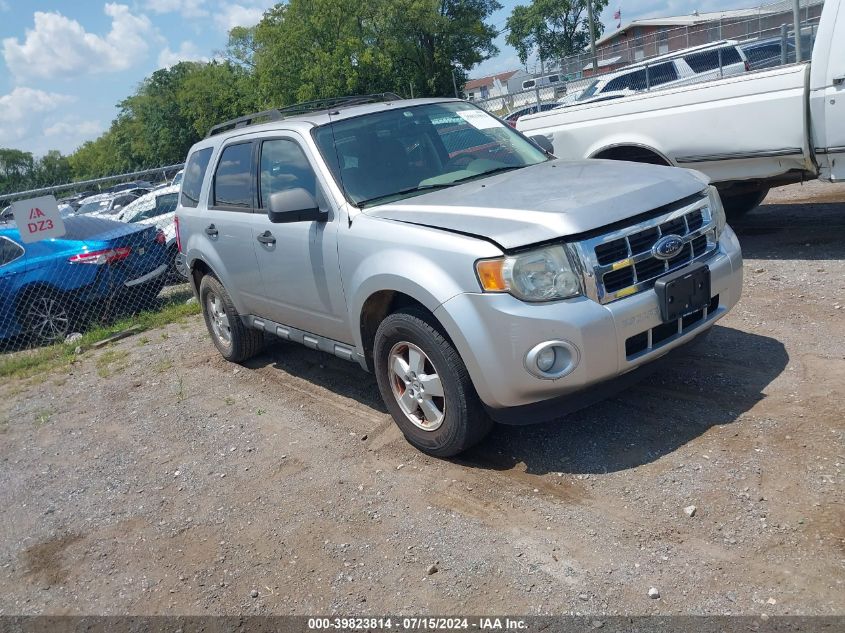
(416, 386)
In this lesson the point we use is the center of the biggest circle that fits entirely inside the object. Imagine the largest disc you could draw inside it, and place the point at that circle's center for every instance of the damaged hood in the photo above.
(546, 201)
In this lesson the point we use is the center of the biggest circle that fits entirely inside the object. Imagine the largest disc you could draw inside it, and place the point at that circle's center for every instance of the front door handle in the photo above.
(211, 230)
(266, 238)
(839, 81)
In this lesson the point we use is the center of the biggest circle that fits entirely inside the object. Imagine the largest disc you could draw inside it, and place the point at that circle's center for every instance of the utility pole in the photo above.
(593, 35)
(796, 14)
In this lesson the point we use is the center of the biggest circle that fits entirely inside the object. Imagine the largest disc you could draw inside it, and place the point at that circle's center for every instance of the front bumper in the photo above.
(493, 333)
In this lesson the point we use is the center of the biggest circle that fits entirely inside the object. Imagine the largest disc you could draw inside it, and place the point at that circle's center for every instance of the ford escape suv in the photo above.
(478, 277)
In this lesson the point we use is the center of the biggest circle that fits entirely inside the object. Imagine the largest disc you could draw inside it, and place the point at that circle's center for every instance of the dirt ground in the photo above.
(155, 478)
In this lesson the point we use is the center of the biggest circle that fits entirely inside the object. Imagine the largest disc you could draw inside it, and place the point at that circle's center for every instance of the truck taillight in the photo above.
(178, 238)
(107, 256)
(160, 238)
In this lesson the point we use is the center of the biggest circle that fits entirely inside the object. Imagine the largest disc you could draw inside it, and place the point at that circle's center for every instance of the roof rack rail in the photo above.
(305, 107)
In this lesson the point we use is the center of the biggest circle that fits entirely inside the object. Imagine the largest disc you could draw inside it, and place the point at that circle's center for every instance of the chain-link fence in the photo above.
(68, 268)
(655, 55)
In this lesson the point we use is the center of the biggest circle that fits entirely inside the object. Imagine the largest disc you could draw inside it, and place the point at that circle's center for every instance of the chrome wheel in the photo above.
(218, 318)
(48, 319)
(416, 386)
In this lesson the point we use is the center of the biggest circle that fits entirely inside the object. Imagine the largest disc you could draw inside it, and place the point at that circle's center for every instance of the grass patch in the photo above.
(144, 340)
(30, 363)
(164, 365)
(43, 416)
(111, 362)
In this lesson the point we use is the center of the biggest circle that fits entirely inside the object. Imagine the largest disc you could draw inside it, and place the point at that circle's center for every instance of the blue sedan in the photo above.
(48, 287)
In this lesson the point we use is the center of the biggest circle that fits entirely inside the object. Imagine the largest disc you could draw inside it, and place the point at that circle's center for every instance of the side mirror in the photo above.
(543, 143)
(294, 205)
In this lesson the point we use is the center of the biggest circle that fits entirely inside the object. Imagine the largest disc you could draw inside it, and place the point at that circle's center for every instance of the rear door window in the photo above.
(233, 180)
(194, 175)
(661, 74)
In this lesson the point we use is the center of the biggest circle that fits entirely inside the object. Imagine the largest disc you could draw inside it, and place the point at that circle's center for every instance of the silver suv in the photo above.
(477, 276)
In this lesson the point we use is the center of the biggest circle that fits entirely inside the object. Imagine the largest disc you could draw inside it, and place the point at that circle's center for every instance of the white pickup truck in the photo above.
(747, 133)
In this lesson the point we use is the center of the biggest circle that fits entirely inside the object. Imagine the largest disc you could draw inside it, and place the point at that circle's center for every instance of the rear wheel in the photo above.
(426, 387)
(738, 205)
(46, 317)
(235, 341)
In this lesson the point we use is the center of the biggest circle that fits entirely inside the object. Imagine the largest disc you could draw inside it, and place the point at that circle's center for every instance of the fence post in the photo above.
(647, 78)
(537, 92)
(784, 29)
(721, 68)
(796, 16)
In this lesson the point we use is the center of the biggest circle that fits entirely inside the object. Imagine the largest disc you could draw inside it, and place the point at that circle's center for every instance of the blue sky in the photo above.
(64, 64)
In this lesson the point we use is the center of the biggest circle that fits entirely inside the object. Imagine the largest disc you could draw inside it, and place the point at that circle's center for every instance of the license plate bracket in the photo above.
(683, 292)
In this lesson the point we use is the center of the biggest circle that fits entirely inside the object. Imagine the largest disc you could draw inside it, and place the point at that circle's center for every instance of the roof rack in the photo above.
(305, 107)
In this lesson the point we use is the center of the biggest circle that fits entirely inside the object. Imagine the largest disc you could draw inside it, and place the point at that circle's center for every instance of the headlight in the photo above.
(544, 274)
(717, 210)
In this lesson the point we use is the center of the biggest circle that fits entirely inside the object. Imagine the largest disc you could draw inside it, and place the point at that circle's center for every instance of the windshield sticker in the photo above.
(478, 119)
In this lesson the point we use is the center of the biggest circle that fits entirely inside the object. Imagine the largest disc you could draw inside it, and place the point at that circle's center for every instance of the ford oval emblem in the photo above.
(667, 247)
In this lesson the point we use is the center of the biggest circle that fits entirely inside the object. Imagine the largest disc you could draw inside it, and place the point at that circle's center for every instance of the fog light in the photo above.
(552, 360)
(546, 359)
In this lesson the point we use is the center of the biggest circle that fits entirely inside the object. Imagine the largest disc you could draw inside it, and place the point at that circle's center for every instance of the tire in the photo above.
(738, 205)
(235, 341)
(46, 317)
(462, 421)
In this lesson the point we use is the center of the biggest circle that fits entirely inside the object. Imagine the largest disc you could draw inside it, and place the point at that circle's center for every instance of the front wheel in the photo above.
(426, 387)
(234, 340)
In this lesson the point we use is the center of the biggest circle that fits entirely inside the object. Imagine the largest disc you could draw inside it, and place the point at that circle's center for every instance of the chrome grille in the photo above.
(620, 263)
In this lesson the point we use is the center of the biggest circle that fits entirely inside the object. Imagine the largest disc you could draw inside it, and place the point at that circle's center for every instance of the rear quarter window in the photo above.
(194, 176)
(9, 251)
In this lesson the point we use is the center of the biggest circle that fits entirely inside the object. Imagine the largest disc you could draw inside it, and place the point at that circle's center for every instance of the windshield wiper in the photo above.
(403, 192)
(489, 172)
(443, 185)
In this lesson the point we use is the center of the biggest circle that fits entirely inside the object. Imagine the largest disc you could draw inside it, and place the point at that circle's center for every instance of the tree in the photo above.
(16, 169)
(309, 49)
(555, 28)
(432, 39)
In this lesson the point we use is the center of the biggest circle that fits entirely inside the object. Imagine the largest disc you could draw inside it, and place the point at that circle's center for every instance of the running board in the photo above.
(313, 341)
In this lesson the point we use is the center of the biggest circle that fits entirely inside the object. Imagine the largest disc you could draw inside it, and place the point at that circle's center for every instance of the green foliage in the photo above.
(20, 170)
(554, 28)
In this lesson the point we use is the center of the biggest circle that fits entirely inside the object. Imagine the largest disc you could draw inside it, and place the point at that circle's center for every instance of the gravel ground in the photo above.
(154, 478)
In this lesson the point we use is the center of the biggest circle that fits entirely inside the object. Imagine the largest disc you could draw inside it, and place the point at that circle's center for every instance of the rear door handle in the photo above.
(266, 238)
(211, 230)
(838, 81)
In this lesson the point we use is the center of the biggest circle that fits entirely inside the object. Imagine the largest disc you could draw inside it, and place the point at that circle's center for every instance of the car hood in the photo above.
(547, 201)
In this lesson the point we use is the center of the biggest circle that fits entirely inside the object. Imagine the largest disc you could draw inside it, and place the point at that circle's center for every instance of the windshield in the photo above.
(163, 204)
(407, 151)
(589, 91)
(93, 207)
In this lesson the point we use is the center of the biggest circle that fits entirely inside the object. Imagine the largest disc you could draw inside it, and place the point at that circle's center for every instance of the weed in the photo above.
(43, 416)
(164, 365)
(144, 340)
(261, 412)
(229, 400)
(111, 362)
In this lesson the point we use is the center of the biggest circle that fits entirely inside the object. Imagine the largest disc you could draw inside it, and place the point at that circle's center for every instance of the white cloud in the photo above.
(4, 6)
(74, 128)
(231, 14)
(187, 8)
(23, 108)
(60, 47)
(188, 52)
